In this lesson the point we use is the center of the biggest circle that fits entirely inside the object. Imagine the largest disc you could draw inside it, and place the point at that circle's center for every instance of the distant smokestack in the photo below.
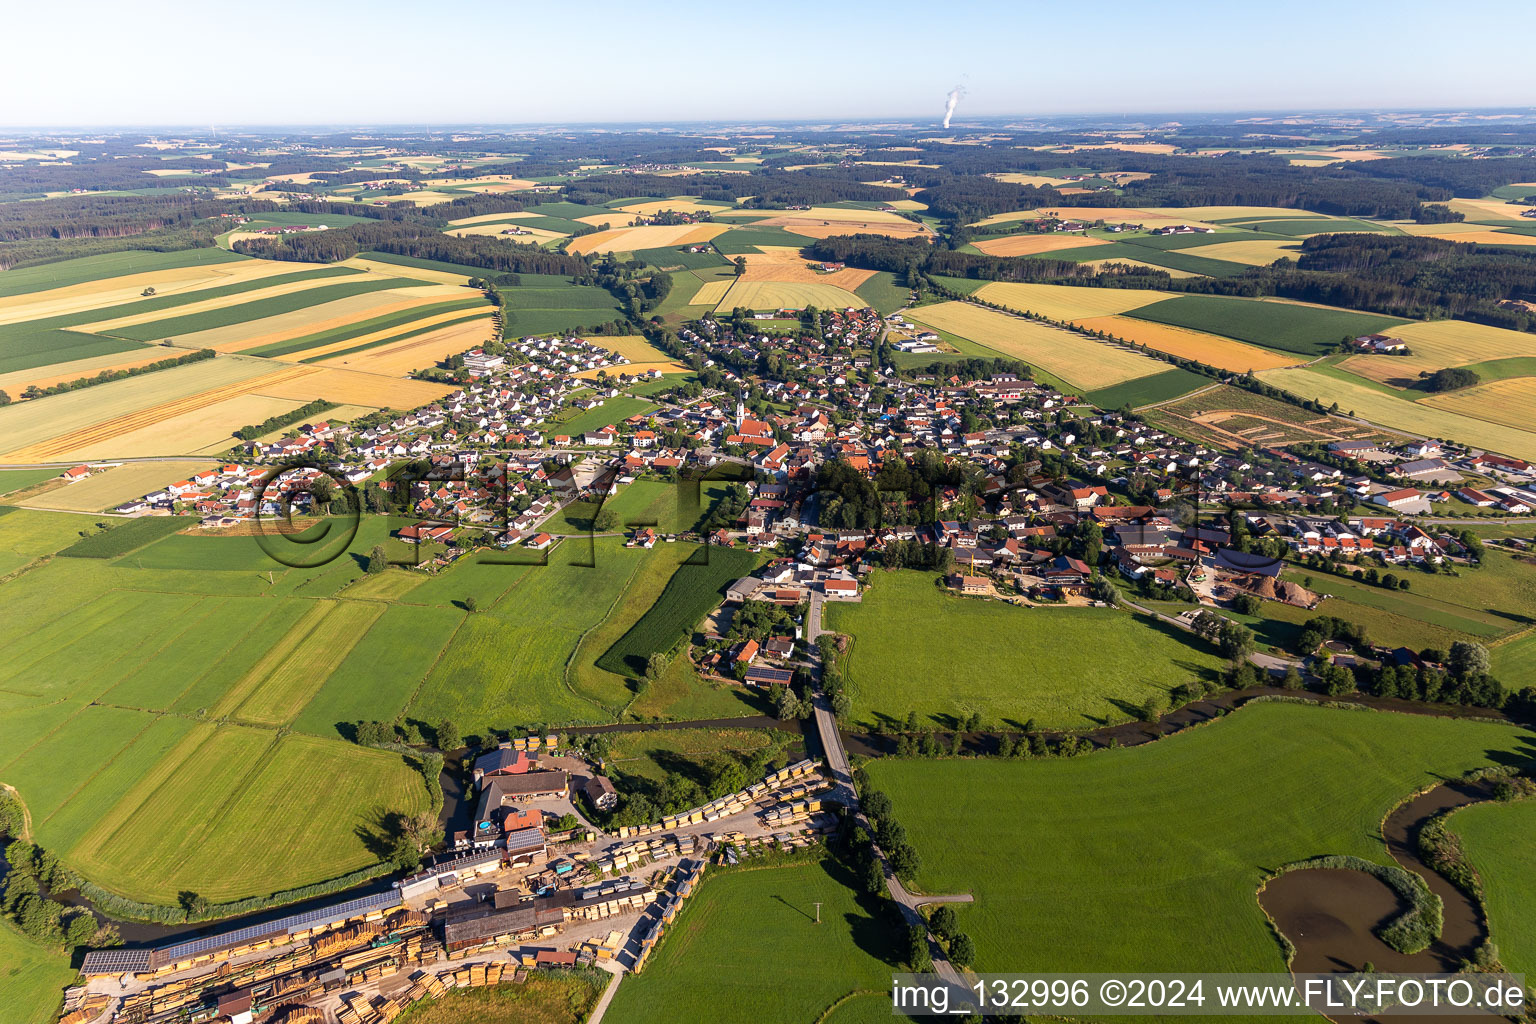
(951, 102)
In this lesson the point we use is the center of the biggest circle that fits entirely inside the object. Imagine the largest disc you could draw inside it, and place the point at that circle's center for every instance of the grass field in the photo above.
(1497, 839)
(1391, 411)
(1078, 360)
(244, 828)
(611, 413)
(1064, 302)
(1211, 349)
(1160, 387)
(741, 919)
(1147, 858)
(1516, 659)
(547, 997)
(13, 480)
(1063, 667)
(26, 534)
(883, 293)
(691, 592)
(125, 537)
(1287, 326)
(32, 978)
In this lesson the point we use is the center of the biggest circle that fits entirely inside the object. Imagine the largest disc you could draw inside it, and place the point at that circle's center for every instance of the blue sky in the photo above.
(389, 62)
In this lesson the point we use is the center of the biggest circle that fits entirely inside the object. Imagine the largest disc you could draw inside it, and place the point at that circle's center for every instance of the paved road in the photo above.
(608, 992)
(844, 791)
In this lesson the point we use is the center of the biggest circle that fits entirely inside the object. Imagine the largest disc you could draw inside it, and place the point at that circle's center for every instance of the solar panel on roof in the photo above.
(115, 961)
(297, 922)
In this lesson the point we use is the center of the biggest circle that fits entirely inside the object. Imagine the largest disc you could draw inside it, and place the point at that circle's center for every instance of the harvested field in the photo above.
(486, 218)
(1141, 264)
(1254, 252)
(408, 271)
(1081, 362)
(400, 358)
(1440, 343)
(900, 228)
(1064, 302)
(1223, 353)
(1492, 210)
(301, 322)
(1511, 402)
(192, 317)
(651, 207)
(797, 271)
(354, 387)
(785, 295)
(380, 335)
(711, 292)
(106, 489)
(79, 298)
(1030, 244)
(43, 424)
(17, 382)
(648, 237)
(1483, 236)
(1403, 414)
(531, 234)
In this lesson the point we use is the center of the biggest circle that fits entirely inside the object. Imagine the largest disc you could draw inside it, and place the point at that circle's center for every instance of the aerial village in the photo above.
(1035, 497)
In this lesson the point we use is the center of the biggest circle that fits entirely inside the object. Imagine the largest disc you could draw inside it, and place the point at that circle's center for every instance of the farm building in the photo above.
(502, 790)
(601, 792)
(503, 761)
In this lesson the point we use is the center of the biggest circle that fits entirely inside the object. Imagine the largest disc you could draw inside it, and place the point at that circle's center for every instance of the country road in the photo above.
(844, 792)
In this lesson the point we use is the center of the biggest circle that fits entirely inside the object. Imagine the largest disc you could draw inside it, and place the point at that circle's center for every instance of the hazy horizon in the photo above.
(393, 64)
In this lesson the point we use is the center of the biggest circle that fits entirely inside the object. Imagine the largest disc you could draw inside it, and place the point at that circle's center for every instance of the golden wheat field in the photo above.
(816, 227)
(1440, 343)
(650, 236)
(536, 235)
(301, 323)
(25, 425)
(1081, 362)
(206, 305)
(485, 217)
(711, 292)
(1223, 353)
(452, 315)
(1510, 402)
(788, 295)
(1064, 302)
(1141, 264)
(17, 381)
(651, 207)
(176, 426)
(1389, 410)
(1253, 252)
(116, 290)
(1030, 244)
(106, 489)
(353, 387)
(1495, 210)
(409, 273)
(797, 271)
(418, 353)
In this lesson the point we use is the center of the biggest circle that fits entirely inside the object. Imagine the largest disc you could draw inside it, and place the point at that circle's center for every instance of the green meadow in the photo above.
(1006, 663)
(1148, 858)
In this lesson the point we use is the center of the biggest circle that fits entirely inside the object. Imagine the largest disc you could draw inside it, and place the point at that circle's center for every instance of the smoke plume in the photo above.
(951, 102)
